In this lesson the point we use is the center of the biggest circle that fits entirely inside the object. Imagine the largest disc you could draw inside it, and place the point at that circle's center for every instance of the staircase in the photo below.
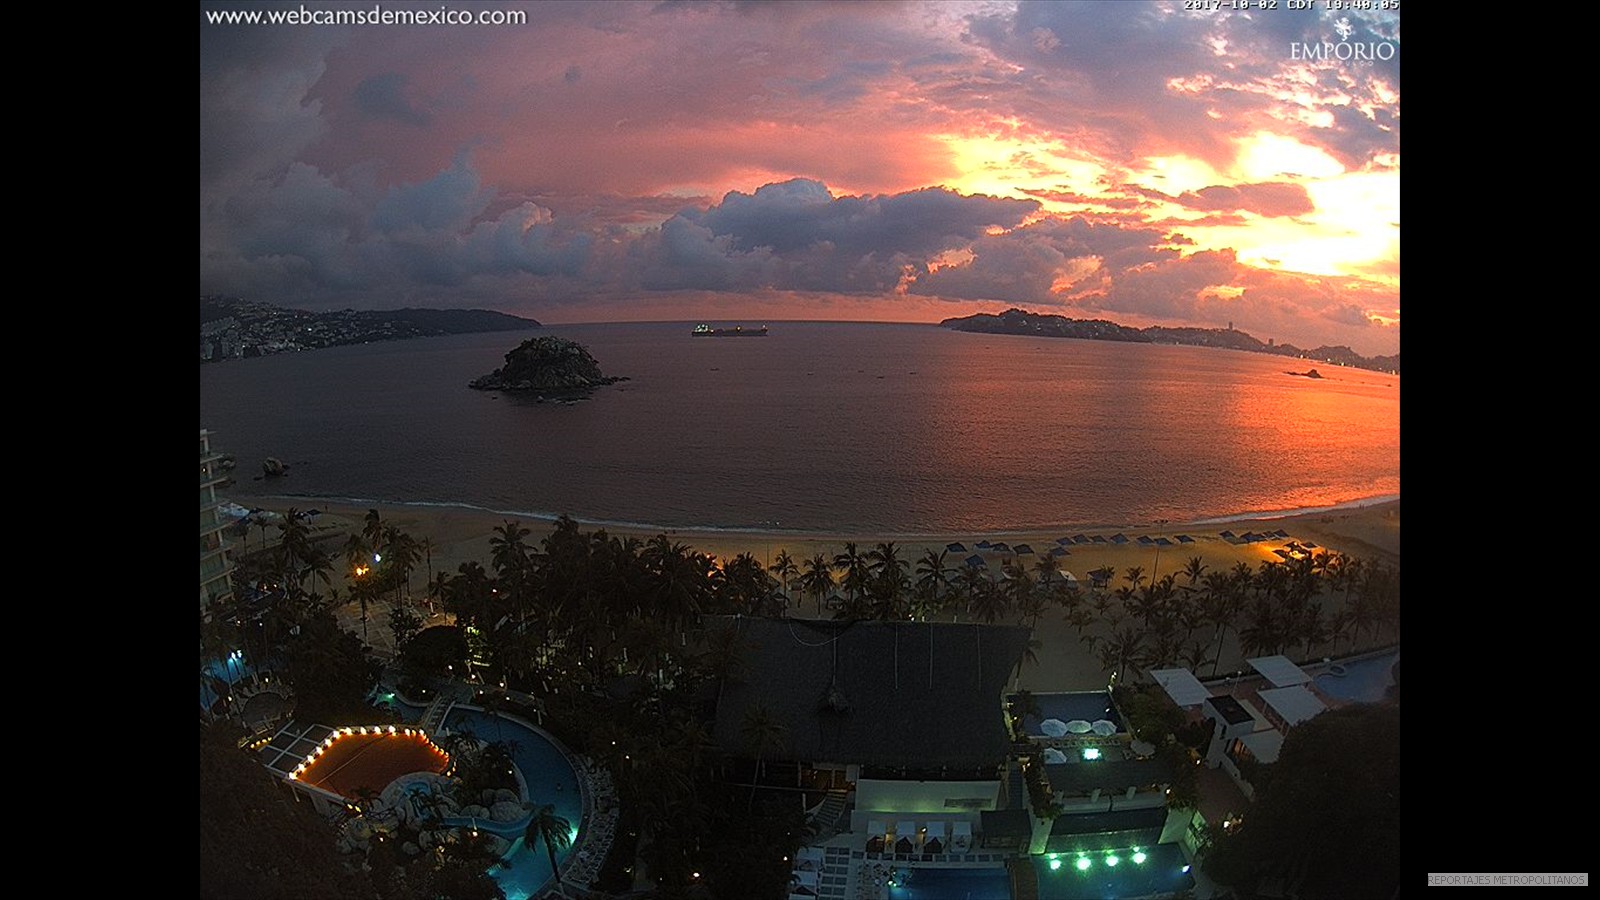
(825, 824)
(1016, 789)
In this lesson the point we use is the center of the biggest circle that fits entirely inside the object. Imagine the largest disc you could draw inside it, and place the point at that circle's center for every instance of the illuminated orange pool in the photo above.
(371, 761)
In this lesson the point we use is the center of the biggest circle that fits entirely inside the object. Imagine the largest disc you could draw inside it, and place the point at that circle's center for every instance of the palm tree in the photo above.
(372, 530)
(556, 832)
(1134, 575)
(762, 732)
(1029, 655)
(784, 566)
(1024, 704)
(932, 576)
(1049, 569)
(1194, 569)
(889, 581)
(1123, 648)
(854, 566)
(818, 579)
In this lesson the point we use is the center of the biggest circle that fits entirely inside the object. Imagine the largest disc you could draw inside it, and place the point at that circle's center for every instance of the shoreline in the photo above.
(279, 502)
(457, 534)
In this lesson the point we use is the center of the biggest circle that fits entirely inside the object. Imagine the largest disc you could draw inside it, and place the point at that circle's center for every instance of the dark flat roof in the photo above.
(1116, 820)
(918, 694)
(1006, 823)
(1232, 711)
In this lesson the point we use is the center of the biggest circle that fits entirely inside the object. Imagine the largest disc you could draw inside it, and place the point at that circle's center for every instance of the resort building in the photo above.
(901, 719)
(1247, 734)
(215, 567)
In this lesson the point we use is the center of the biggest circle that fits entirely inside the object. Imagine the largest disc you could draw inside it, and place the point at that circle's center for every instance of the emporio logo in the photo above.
(1344, 51)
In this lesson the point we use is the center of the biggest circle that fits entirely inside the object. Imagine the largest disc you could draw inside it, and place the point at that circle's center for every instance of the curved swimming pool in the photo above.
(549, 779)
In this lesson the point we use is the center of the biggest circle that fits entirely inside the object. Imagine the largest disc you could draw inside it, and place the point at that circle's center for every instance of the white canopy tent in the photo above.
(1279, 670)
(905, 836)
(1181, 685)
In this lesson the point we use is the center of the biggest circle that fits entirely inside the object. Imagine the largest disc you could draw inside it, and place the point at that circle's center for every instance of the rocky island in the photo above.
(547, 364)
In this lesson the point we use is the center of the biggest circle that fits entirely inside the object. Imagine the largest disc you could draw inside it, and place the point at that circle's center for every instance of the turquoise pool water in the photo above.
(951, 884)
(1093, 876)
(1364, 681)
(550, 779)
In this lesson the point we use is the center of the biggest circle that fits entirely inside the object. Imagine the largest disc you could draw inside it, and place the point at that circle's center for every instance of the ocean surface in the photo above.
(892, 430)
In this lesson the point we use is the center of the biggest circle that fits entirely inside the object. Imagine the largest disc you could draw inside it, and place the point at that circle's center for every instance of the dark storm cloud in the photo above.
(383, 96)
(801, 213)
(795, 235)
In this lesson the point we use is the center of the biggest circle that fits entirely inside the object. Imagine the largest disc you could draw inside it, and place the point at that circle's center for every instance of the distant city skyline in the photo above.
(1132, 161)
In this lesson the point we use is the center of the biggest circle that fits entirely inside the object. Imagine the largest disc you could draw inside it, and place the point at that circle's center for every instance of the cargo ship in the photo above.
(703, 330)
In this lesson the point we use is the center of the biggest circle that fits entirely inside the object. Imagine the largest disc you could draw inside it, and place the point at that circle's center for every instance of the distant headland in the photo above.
(231, 328)
(1018, 321)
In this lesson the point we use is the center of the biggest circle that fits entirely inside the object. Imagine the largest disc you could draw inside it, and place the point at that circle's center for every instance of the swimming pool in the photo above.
(1086, 705)
(1136, 872)
(1364, 680)
(951, 884)
(549, 778)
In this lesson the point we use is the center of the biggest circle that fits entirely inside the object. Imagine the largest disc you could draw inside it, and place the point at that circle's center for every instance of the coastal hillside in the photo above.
(231, 328)
(1018, 321)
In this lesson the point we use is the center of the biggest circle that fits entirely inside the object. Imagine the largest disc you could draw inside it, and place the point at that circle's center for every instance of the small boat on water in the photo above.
(704, 330)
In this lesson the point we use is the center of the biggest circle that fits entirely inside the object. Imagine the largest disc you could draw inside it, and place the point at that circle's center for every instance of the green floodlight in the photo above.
(1139, 858)
(1083, 864)
(1054, 856)
(1055, 864)
(1112, 860)
(1091, 753)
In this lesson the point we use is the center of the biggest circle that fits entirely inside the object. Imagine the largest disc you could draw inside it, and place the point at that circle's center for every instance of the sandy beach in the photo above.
(458, 535)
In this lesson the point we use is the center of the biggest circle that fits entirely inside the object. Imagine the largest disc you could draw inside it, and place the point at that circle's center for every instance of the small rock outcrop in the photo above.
(548, 364)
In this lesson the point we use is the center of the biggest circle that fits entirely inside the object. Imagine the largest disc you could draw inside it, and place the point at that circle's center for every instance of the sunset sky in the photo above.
(756, 162)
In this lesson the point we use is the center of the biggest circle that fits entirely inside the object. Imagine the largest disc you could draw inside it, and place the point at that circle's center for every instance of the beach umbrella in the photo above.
(1163, 542)
(1145, 539)
(1060, 551)
(1023, 548)
(1104, 727)
(1226, 534)
(976, 561)
(1185, 539)
(1063, 540)
(955, 547)
(1079, 726)
(1099, 539)
(1052, 756)
(1053, 727)
(1080, 538)
(1119, 538)
(1001, 547)
(982, 545)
